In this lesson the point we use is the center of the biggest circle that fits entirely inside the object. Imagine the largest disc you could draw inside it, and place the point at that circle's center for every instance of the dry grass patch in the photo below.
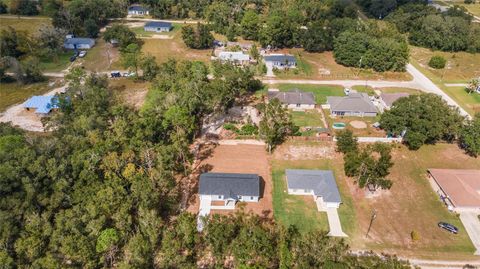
(30, 24)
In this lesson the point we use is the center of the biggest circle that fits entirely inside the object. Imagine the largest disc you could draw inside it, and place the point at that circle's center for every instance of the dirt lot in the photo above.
(239, 159)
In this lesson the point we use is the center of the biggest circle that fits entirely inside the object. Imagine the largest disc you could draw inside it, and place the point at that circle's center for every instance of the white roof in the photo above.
(233, 56)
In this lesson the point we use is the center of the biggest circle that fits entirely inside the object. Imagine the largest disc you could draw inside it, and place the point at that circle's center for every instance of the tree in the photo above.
(132, 57)
(149, 67)
(470, 136)
(188, 36)
(122, 34)
(250, 25)
(473, 85)
(275, 125)
(231, 32)
(24, 7)
(199, 38)
(437, 62)
(317, 38)
(346, 142)
(426, 118)
(91, 28)
(50, 40)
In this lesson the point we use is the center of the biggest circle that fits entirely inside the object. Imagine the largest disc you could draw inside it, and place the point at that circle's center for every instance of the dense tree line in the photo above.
(381, 8)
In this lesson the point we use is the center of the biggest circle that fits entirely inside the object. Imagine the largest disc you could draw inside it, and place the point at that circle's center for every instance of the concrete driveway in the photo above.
(334, 223)
(269, 70)
(472, 226)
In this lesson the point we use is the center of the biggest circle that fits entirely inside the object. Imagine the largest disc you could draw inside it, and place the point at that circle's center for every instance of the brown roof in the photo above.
(461, 186)
(390, 98)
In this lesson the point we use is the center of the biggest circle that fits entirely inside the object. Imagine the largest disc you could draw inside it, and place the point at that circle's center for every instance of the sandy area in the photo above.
(305, 152)
(239, 158)
(24, 119)
(358, 124)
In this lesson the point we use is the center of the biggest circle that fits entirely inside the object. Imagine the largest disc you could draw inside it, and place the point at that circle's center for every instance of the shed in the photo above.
(41, 104)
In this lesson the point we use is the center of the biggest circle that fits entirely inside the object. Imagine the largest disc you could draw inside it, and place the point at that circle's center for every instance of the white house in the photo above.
(158, 26)
(318, 183)
(281, 61)
(236, 57)
(79, 43)
(137, 10)
(294, 99)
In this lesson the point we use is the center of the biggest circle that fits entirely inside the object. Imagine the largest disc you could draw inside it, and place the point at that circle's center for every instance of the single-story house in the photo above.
(294, 99)
(158, 26)
(320, 184)
(458, 188)
(137, 10)
(355, 104)
(228, 189)
(387, 99)
(237, 57)
(79, 43)
(42, 104)
(281, 61)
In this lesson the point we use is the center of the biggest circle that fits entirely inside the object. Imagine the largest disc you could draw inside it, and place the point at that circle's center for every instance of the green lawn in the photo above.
(469, 102)
(311, 118)
(61, 63)
(301, 211)
(13, 93)
(320, 91)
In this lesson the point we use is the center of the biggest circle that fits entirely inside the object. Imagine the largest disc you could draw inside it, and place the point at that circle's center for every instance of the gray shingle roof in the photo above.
(355, 102)
(158, 24)
(280, 58)
(229, 184)
(321, 182)
(390, 98)
(137, 8)
(293, 97)
(80, 40)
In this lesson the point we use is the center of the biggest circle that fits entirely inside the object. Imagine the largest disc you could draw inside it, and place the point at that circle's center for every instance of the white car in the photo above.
(82, 54)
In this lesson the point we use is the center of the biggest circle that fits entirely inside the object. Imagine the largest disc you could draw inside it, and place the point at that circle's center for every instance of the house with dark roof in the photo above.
(280, 61)
(355, 104)
(387, 99)
(79, 43)
(158, 26)
(41, 104)
(137, 10)
(293, 99)
(226, 189)
(320, 184)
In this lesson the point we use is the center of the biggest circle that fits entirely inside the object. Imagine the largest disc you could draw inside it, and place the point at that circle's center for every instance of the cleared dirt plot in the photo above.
(240, 159)
(130, 91)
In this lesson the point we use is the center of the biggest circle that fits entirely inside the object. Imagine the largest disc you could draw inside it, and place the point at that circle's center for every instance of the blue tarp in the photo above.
(42, 104)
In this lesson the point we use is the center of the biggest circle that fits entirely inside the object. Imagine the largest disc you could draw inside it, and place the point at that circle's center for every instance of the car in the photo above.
(82, 54)
(449, 227)
(128, 74)
(115, 74)
(73, 58)
(76, 53)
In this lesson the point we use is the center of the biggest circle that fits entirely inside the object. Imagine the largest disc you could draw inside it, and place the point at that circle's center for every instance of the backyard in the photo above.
(14, 93)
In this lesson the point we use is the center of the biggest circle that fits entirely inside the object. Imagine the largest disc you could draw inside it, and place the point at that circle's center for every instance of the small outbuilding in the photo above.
(158, 26)
(294, 99)
(79, 43)
(41, 104)
(281, 61)
(137, 10)
(355, 104)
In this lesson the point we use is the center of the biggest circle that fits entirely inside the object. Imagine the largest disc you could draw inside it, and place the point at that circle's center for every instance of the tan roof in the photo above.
(461, 186)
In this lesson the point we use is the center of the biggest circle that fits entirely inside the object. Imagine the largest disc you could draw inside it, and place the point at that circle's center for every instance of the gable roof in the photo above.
(233, 56)
(390, 98)
(355, 102)
(461, 185)
(230, 185)
(294, 96)
(283, 58)
(322, 182)
(42, 104)
(158, 24)
(137, 8)
(80, 40)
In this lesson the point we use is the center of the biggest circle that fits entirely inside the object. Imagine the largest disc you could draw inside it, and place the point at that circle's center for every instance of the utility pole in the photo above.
(374, 216)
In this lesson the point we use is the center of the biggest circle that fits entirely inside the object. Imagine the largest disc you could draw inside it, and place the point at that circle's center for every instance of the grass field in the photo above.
(311, 118)
(29, 25)
(14, 93)
(49, 65)
(101, 57)
(470, 102)
(322, 66)
(472, 8)
(371, 91)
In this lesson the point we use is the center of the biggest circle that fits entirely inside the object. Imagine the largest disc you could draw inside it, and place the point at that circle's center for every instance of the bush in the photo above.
(437, 62)
(248, 129)
(415, 235)
(230, 127)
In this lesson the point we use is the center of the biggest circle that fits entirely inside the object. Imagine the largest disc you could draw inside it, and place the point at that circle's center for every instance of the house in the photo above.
(280, 61)
(79, 43)
(458, 188)
(318, 183)
(157, 26)
(355, 104)
(226, 189)
(387, 99)
(42, 104)
(294, 99)
(237, 57)
(137, 10)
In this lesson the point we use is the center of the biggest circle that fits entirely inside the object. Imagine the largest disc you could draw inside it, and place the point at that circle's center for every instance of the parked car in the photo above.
(73, 58)
(82, 54)
(76, 53)
(449, 227)
(128, 74)
(115, 74)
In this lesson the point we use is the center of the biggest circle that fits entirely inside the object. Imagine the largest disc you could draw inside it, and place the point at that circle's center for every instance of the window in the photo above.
(251, 198)
(298, 105)
(219, 197)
